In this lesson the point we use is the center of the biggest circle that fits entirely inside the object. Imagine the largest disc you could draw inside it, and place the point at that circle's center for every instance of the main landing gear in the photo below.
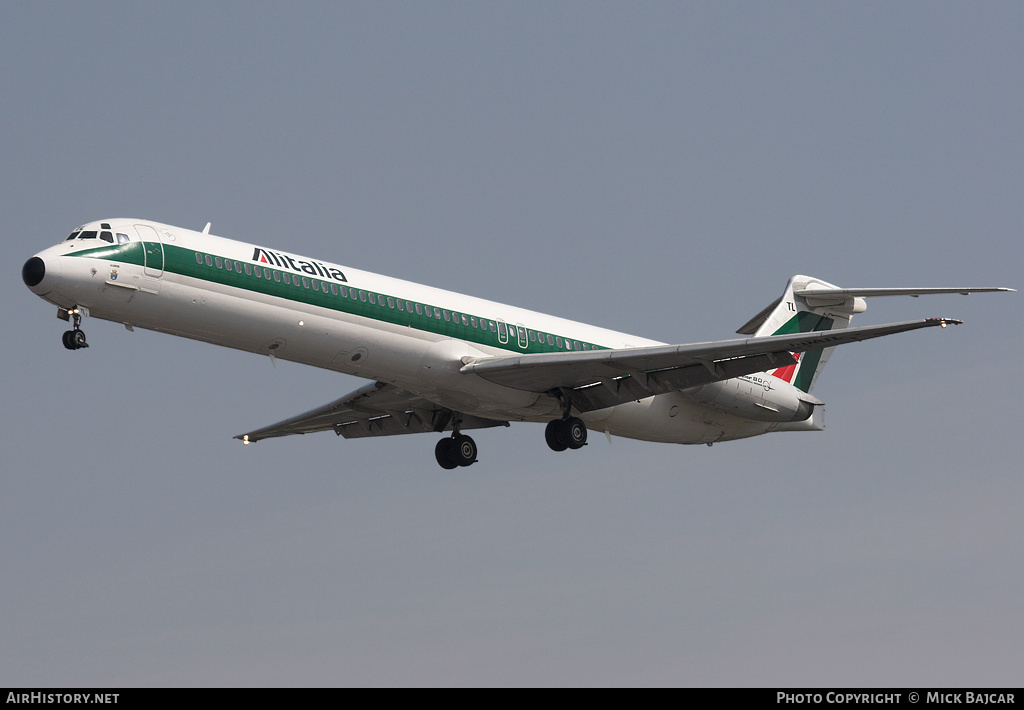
(456, 450)
(567, 433)
(74, 339)
(460, 450)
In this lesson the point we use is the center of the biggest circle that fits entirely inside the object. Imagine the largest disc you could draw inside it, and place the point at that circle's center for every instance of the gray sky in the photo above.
(660, 169)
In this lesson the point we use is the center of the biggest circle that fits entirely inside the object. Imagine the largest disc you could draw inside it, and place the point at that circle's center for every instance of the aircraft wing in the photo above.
(596, 379)
(378, 409)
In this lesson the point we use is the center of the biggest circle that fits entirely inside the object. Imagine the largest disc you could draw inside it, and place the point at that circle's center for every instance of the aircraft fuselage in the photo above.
(268, 301)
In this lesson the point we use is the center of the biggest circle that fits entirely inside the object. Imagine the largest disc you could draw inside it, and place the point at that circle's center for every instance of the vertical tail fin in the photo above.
(793, 313)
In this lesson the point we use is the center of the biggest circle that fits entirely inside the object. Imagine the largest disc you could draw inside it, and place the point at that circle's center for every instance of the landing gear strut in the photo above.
(75, 339)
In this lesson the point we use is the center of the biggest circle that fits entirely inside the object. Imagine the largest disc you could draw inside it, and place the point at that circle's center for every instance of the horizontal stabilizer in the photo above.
(872, 292)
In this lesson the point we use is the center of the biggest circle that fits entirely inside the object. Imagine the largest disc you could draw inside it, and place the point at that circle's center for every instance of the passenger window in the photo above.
(316, 285)
(199, 258)
(419, 309)
(248, 270)
(277, 276)
(288, 279)
(238, 267)
(219, 262)
(334, 289)
(305, 282)
(209, 260)
(255, 270)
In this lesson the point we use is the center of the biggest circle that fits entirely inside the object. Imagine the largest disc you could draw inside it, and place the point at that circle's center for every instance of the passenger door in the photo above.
(152, 250)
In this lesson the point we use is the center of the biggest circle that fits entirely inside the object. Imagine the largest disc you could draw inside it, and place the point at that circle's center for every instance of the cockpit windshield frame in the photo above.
(106, 235)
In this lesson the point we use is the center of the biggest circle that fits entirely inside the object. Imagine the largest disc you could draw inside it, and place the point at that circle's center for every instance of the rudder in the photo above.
(793, 313)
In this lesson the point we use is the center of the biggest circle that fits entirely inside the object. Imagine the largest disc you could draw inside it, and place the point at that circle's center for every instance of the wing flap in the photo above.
(609, 392)
(378, 409)
(407, 423)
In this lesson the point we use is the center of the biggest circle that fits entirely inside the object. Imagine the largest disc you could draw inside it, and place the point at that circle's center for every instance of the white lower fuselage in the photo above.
(382, 342)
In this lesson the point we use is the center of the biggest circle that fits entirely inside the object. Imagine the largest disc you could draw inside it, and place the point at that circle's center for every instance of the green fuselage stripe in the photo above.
(183, 262)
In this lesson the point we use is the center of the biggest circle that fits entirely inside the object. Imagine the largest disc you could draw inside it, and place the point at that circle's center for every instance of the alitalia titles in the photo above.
(313, 268)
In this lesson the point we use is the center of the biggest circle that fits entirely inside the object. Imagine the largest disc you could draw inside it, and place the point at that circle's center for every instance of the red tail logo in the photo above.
(786, 373)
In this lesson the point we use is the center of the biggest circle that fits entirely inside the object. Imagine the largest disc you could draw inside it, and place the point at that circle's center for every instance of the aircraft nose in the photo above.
(33, 271)
(41, 273)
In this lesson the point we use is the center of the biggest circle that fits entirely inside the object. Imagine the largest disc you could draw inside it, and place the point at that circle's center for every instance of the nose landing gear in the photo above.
(74, 339)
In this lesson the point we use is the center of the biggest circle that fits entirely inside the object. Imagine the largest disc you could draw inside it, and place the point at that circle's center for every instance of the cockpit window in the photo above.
(122, 238)
(87, 235)
(107, 237)
(104, 226)
(73, 234)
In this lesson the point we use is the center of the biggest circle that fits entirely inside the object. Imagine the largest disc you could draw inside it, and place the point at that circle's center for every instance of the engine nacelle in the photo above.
(759, 397)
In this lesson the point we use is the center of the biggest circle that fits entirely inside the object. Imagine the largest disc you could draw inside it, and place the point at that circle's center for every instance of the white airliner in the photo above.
(442, 361)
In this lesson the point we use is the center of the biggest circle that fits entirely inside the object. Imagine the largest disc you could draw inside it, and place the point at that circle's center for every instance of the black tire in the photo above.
(574, 432)
(553, 435)
(445, 454)
(67, 339)
(464, 449)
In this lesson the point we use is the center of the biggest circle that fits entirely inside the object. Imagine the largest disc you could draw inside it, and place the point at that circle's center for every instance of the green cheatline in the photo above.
(328, 294)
